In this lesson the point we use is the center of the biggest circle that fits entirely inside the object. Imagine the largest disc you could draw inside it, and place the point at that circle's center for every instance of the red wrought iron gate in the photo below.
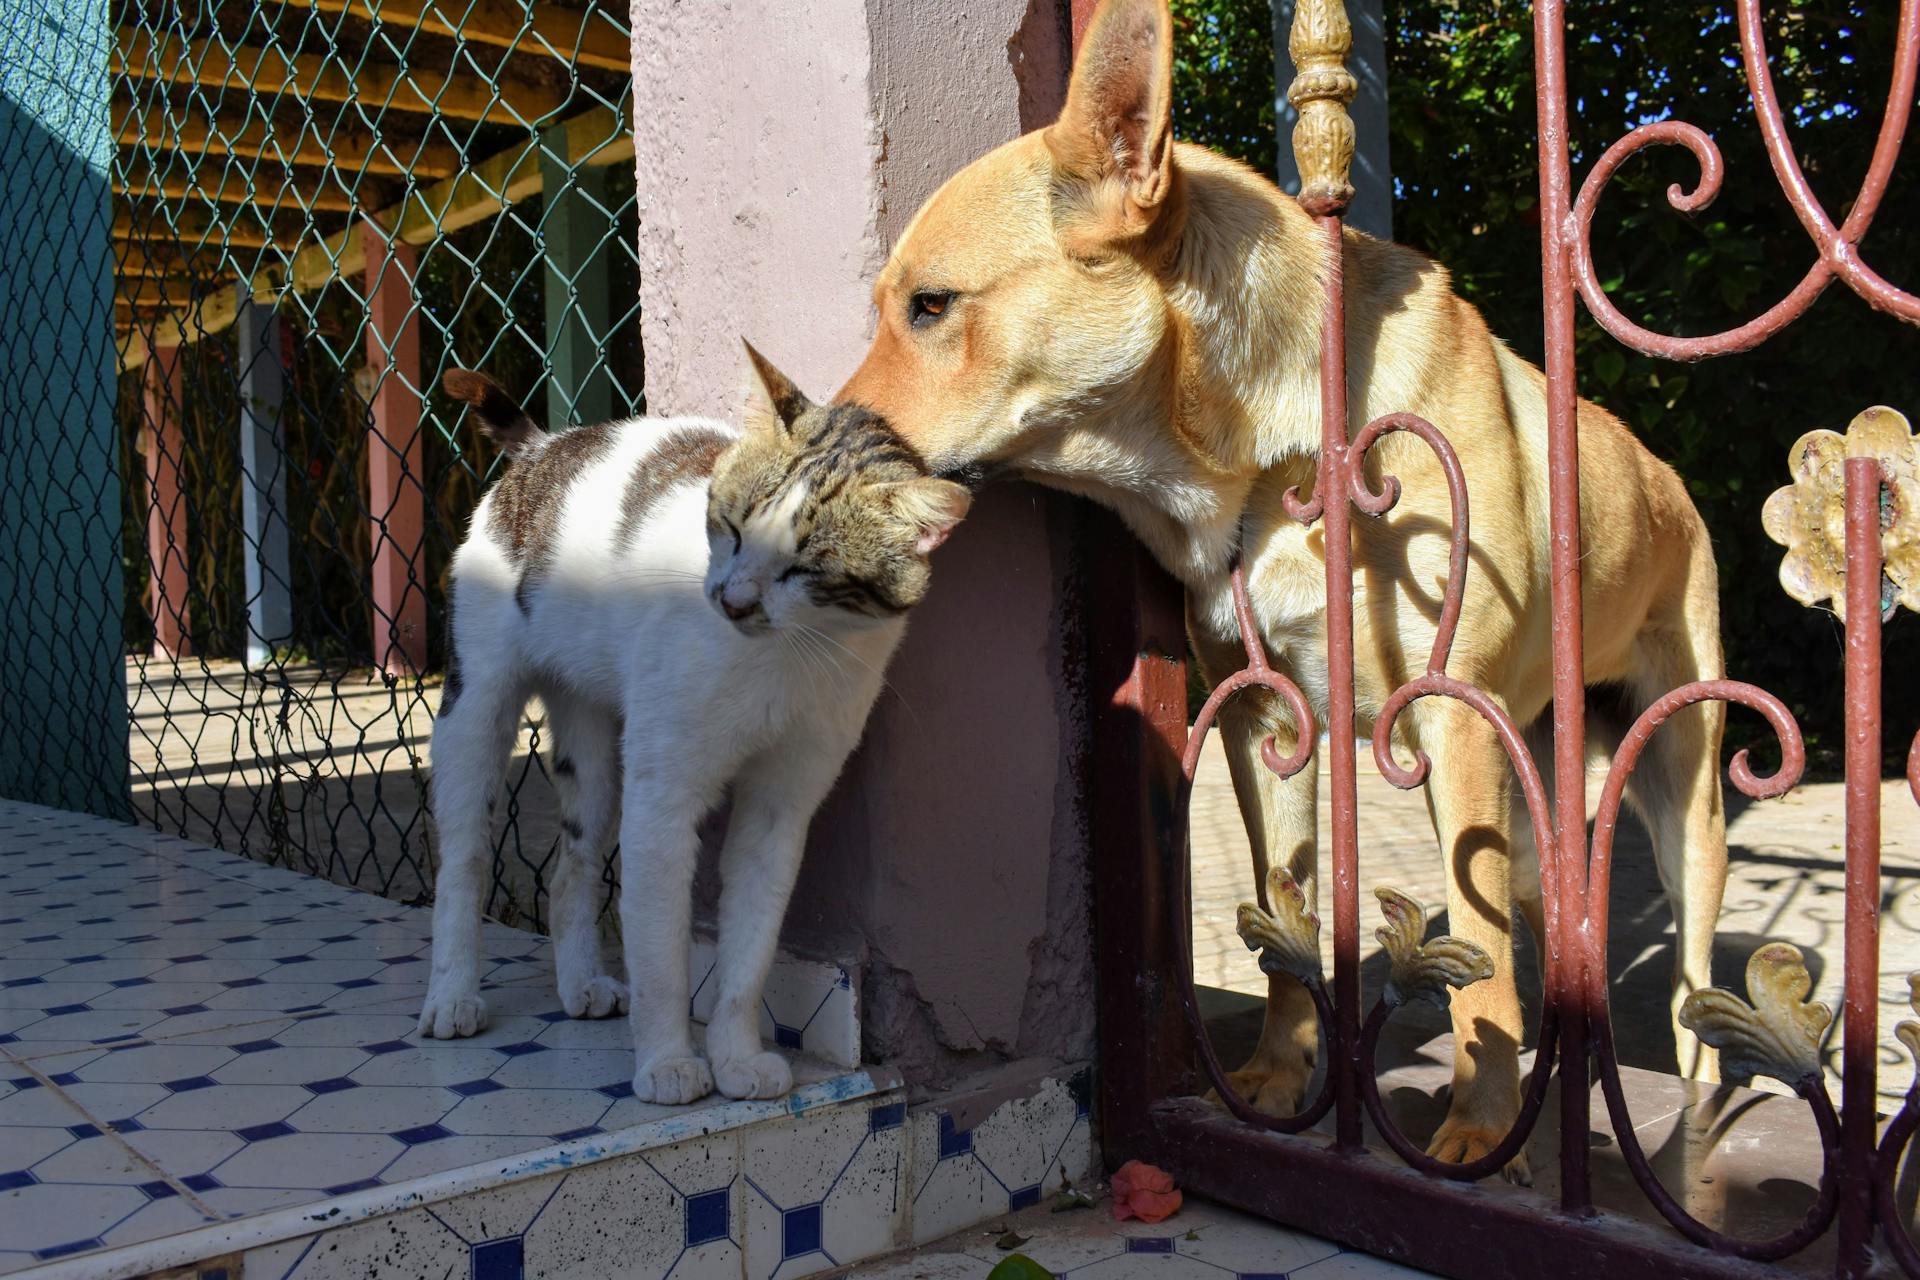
(1852, 524)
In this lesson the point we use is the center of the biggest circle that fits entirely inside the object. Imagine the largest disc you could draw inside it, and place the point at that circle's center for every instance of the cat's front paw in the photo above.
(599, 996)
(758, 1075)
(448, 1016)
(671, 1081)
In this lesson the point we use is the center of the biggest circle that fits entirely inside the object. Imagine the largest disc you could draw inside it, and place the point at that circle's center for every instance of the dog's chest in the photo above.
(1287, 588)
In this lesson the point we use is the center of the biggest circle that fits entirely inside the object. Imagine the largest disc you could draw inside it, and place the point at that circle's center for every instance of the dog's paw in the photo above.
(1273, 1089)
(451, 1016)
(1461, 1141)
(671, 1081)
(599, 996)
(758, 1075)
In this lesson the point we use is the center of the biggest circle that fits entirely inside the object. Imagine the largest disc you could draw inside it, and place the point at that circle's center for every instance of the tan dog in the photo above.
(1137, 320)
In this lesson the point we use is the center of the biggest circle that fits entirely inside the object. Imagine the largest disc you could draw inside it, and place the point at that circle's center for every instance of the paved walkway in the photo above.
(1786, 882)
(1201, 1242)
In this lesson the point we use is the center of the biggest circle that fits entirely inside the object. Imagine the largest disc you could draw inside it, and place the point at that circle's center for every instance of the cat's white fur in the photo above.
(625, 642)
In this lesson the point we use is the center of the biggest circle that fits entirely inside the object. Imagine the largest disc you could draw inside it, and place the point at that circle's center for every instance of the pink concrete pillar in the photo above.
(165, 447)
(786, 146)
(396, 482)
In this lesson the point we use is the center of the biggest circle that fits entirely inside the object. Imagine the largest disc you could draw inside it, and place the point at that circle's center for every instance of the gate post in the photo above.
(1137, 688)
(1579, 976)
(578, 292)
(263, 468)
(164, 443)
(395, 478)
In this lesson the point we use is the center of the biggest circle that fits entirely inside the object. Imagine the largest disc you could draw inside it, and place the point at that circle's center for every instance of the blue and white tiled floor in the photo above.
(202, 1056)
(204, 1060)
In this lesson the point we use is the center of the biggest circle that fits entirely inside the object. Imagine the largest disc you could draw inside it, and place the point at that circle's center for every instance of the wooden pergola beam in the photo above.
(153, 269)
(586, 39)
(187, 229)
(284, 193)
(347, 150)
(596, 137)
(169, 291)
(267, 72)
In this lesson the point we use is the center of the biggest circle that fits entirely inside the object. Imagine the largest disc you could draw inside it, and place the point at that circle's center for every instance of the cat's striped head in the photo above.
(820, 514)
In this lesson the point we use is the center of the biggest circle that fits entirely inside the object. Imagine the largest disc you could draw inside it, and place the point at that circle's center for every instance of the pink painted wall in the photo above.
(754, 150)
(780, 148)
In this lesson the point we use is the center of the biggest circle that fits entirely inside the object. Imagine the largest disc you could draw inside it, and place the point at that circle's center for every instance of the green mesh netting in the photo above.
(277, 434)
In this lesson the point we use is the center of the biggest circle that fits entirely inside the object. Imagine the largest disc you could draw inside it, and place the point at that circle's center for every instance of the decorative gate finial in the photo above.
(1808, 517)
(1322, 87)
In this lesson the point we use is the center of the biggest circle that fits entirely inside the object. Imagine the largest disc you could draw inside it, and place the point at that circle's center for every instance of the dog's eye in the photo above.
(925, 308)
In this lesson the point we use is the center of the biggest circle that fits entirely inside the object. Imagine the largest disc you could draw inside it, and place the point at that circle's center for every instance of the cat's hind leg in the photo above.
(584, 763)
(774, 797)
(472, 742)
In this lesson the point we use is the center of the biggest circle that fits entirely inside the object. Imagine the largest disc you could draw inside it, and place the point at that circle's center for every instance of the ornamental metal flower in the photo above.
(1288, 939)
(1422, 971)
(1809, 516)
(1909, 1032)
(1778, 1035)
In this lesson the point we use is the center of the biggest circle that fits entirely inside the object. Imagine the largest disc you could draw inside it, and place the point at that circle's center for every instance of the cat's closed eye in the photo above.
(795, 571)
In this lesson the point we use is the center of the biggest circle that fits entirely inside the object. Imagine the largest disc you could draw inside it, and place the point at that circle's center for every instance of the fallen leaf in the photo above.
(1070, 1199)
(1011, 1240)
(1018, 1266)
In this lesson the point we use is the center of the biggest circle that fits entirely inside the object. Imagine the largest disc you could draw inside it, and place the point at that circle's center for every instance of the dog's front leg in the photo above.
(1281, 824)
(1468, 794)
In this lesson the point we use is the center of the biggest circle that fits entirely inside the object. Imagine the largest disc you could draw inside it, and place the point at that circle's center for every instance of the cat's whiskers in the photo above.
(665, 575)
(885, 683)
(842, 681)
(813, 659)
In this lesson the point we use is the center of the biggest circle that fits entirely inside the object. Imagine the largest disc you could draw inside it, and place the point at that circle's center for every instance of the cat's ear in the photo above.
(935, 507)
(773, 402)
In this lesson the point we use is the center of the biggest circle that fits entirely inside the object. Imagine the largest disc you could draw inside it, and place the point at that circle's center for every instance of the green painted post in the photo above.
(63, 691)
(578, 225)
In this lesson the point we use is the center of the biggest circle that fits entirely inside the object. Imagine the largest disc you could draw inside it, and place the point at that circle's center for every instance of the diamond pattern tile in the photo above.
(188, 1037)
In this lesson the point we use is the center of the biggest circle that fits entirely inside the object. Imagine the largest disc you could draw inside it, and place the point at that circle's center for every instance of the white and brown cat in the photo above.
(704, 612)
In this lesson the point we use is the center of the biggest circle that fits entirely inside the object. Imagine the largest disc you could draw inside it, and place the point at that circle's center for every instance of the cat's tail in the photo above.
(501, 416)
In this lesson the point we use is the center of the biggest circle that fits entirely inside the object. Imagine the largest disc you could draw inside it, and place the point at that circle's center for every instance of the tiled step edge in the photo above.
(299, 1221)
(810, 1006)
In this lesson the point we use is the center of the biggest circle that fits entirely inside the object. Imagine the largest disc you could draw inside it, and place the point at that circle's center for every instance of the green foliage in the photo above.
(1464, 159)
(1223, 88)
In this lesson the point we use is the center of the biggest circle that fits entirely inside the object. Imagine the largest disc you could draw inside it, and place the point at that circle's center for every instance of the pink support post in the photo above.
(166, 506)
(395, 479)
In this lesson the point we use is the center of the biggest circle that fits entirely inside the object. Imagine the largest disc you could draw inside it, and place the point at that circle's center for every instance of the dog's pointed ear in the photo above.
(773, 402)
(1118, 121)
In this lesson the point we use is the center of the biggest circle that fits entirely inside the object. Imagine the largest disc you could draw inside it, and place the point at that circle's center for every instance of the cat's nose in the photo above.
(738, 602)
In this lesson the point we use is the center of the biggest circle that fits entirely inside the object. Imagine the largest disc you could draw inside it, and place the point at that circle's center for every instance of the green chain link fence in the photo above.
(317, 206)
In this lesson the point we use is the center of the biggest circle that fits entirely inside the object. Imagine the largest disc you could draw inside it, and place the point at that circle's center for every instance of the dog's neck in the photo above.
(1232, 393)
